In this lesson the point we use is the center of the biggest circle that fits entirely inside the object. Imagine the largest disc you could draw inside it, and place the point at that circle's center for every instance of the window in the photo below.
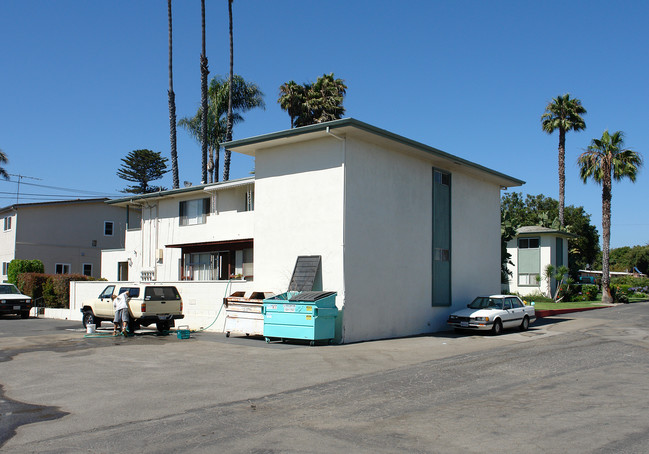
(87, 269)
(250, 200)
(133, 292)
(62, 268)
(7, 222)
(108, 292)
(528, 279)
(108, 228)
(528, 243)
(516, 303)
(193, 212)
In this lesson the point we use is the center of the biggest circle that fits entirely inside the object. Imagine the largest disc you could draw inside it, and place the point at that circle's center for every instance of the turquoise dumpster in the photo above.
(301, 315)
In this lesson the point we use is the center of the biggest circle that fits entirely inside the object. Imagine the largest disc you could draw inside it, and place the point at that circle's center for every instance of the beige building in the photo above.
(67, 236)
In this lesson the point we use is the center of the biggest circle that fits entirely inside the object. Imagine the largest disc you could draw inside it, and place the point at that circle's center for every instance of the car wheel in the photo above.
(24, 314)
(497, 328)
(88, 318)
(525, 324)
(162, 326)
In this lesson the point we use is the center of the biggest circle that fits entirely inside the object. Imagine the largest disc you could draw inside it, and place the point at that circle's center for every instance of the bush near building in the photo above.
(17, 267)
(49, 290)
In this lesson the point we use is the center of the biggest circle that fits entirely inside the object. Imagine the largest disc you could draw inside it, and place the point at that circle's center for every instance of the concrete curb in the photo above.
(550, 312)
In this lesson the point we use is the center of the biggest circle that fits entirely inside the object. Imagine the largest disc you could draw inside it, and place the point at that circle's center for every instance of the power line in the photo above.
(81, 191)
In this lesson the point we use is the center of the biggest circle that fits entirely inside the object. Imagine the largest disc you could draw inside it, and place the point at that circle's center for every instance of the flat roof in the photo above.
(351, 126)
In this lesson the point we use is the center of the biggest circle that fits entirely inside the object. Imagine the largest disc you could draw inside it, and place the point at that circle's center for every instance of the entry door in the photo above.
(122, 271)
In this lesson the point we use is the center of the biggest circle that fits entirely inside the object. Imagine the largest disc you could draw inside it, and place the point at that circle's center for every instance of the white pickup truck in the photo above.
(148, 304)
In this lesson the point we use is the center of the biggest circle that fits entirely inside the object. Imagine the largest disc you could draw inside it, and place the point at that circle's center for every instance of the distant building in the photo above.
(67, 236)
(532, 250)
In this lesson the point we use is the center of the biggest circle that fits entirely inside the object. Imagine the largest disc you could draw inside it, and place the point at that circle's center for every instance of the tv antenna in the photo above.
(20, 177)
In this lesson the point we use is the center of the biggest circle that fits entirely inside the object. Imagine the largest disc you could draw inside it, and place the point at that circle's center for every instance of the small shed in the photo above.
(532, 250)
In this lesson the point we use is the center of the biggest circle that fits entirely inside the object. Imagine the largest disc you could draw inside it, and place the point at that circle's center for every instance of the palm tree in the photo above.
(3, 160)
(228, 133)
(313, 103)
(245, 96)
(605, 160)
(564, 114)
(172, 109)
(204, 73)
(292, 98)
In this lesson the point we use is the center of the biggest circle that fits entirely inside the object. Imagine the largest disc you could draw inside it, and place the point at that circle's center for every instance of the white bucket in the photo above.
(90, 329)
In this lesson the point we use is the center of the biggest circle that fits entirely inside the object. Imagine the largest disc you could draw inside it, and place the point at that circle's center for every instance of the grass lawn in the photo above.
(550, 305)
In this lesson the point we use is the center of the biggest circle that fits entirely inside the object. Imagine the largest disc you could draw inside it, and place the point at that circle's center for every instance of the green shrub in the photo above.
(589, 292)
(32, 284)
(17, 267)
(631, 281)
(49, 290)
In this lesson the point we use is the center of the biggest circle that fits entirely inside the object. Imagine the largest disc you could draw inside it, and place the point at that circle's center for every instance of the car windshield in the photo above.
(484, 302)
(8, 289)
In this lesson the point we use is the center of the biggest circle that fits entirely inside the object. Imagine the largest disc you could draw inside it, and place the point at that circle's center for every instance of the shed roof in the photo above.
(538, 230)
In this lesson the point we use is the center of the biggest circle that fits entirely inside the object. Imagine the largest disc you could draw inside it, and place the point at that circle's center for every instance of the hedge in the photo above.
(17, 267)
(49, 290)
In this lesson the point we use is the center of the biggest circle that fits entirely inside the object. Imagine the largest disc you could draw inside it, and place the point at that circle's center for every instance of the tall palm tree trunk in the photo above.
(228, 131)
(606, 236)
(204, 73)
(562, 174)
(172, 108)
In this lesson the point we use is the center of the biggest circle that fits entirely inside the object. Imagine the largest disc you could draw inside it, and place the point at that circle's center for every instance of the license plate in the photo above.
(464, 324)
(289, 308)
(163, 317)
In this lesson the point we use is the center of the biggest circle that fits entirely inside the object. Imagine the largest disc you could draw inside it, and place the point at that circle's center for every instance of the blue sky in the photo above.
(82, 83)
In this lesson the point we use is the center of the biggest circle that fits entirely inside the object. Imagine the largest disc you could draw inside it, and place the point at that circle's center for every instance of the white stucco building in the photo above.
(407, 233)
(67, 236)
(532, 250)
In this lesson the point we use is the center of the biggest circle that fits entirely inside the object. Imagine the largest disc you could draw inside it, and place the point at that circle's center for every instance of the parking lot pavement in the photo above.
(209, 393)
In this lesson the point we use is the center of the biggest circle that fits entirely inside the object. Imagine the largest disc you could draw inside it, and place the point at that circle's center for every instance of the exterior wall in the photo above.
(202, 301)
(7, 242)
(388, 243)
(160, 228)
(547, 245)
(299, 211)
(64, 233)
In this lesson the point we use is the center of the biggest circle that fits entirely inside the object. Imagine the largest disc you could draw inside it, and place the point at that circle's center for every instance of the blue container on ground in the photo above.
(301, 315)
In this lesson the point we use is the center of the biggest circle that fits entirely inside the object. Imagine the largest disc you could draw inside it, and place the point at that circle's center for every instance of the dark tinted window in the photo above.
(108, 291)
(161, 293)
(133, 292)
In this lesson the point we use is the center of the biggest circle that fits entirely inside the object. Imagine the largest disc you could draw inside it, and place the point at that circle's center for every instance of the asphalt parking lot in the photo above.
(575, 383)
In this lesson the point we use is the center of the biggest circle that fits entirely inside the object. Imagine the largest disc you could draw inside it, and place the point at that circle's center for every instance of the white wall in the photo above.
(7, 241)
(388, 243)
(298, 211)
(202, 301)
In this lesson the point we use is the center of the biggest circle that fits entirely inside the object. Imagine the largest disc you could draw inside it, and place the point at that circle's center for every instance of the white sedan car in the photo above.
(494, 313)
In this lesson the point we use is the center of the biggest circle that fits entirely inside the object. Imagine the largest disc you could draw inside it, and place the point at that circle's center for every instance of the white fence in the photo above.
(202, 301)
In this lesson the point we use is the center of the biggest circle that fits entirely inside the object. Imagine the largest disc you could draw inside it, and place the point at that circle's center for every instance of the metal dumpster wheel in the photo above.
(268, 340)
(312, 343)
(227, 334)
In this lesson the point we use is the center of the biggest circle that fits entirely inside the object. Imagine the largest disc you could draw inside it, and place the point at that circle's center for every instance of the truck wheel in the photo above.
(24, 314)
(162, 326)
(88, 318)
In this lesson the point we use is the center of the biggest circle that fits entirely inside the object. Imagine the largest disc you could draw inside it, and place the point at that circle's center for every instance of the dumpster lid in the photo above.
(304, 273)
(310, 296)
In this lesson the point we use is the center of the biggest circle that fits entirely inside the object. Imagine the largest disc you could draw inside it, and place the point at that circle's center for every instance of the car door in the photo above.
(104, 305)
(517, 310)
(509, 315)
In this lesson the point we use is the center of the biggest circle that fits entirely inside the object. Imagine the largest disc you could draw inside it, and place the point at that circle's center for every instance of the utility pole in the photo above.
(20, 177)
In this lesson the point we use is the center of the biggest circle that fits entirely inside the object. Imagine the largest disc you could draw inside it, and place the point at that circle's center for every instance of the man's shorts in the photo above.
(121, 316)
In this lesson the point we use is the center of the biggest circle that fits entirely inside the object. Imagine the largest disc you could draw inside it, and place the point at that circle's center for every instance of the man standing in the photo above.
(120, 304)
